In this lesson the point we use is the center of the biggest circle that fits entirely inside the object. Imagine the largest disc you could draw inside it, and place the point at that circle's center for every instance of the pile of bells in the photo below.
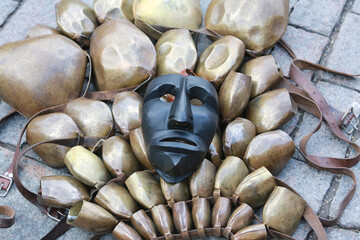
(48, 69)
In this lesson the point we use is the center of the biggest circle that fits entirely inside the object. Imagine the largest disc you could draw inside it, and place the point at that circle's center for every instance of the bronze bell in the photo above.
(272, 150)
(144, 225)
(253, 232)
(201, 182)
(220, 214)
(270, 110)
(175, 192)
(40, 30)
(110, 9)
(138, 146)
(182, 219)
(215, 153)
(240, 218)
(260, 24)
(283, 210)
(163, 221)
(201, 215)
(123, 231)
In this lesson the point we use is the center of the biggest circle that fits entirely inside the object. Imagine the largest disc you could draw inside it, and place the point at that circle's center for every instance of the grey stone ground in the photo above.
(321, 31)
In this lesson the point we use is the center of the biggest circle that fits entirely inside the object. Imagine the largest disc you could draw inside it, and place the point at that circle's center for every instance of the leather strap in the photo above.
(8, 221)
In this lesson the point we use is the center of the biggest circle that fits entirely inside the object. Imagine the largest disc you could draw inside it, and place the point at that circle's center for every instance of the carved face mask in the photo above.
(177, 134)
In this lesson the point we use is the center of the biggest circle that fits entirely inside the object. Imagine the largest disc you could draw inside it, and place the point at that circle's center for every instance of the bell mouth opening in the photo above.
(179, 140)
(74, 212)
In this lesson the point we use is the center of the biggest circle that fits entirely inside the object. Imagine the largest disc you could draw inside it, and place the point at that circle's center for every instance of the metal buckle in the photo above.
(55, 214)
(3, 183)
(351, 123)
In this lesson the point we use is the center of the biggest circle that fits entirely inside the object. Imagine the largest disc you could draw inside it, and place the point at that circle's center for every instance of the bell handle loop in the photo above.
(90, 76)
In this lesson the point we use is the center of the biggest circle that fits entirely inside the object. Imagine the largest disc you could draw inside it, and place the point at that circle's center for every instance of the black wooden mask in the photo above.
(178, 134)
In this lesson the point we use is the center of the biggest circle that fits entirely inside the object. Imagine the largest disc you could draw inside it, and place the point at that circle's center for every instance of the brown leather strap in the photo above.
(8, 221)
(60, 228)
(12, 112)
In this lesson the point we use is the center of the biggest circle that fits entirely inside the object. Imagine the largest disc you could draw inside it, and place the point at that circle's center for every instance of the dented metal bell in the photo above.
(237, 136)
(175, 192)
(215, 153)
(76, 19)
(283, 210)
(264, 73)
(270, 110)
(201, 215)
(144, 187)
(163, 221)
(182, 219)
(201, 182)
(255, 188)
(253, 232)
(220, 214)
(272, 150)
(48, 127)
(126, 109)
(123, 231)
(91, 217)
(234, 95)
(86, 167)
(176, 51)
(260, 24)
(240, 218)
(113, 9)
(118, 157)
(93, 117)
(117, 200)
(40, 30)
(228, 176)
(61, 191)
(144, 225)
(122, 55)
(166, 13)
(219, 59)
(138, 146)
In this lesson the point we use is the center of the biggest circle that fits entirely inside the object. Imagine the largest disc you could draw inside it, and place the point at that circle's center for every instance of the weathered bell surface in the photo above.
(283, 210)
(118, 157)
(260, 24)
(255, 188)
(61, 191)
(264, 73)
(220, 214)
(48, 127)
(144, 225)
(123, 231)
(127, 110)
(138, 147)
(91, 217)
(253, 232)
(166, 13)
(272, 150)
(117, 200)
(113, 9)
(144, 187)
(40, 30)
(76, 19)
(239, 219)
(49, 63)
(237, 136)
(93, 117)
(176, 51)
(201, 182)
(219, 59)
(228, 176)
(163, 220)
(122, 55)
(270, 110)
(175, 192)
(234, 95)
(182, 219)
(201, 215)
(215, 153)
(86, 167)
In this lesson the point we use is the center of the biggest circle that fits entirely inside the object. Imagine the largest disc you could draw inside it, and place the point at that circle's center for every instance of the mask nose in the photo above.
(180, 113)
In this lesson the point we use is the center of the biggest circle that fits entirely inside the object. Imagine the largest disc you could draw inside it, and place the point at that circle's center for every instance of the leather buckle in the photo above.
(55, 214)
(5, 184)
(350, 123)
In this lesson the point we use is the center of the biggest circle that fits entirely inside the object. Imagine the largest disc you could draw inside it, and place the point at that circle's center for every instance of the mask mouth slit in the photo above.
(180, 140)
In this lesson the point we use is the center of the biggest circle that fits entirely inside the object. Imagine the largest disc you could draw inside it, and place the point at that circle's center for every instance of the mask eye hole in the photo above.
(167, 98)
(196, 102)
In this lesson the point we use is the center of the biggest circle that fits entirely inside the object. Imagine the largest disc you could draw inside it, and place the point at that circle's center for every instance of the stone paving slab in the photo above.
(356, 7)
(317, 15)
(345, 53)
(337, 233)
(7, 7)
(306, 45)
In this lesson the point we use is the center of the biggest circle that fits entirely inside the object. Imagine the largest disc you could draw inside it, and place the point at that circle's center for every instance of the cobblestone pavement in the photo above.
(321, 31)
